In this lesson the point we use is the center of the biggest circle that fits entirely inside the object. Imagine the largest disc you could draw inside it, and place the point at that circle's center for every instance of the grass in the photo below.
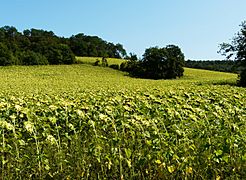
(92, 60)
(66, 78)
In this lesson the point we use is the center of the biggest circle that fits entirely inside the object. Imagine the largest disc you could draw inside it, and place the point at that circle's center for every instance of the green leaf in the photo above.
(218, 152)
(171, 169)
(158, 161)
(225, 158)
(128, 153)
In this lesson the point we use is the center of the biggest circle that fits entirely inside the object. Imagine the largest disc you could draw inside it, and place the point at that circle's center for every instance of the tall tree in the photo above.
(237, 50)
(163, 63)
(157, 63)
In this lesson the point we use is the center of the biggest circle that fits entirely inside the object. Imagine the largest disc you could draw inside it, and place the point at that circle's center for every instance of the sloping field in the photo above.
(72, 78)
(87, 122)
(92, 60)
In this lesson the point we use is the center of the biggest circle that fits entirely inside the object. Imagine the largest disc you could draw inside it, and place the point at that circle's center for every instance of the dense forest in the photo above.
(39, 47)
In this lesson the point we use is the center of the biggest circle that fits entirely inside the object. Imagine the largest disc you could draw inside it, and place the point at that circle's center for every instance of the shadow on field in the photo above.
(223, 83)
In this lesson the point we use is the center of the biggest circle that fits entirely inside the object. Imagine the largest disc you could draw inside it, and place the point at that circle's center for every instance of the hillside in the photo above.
(70, 78)
(92, 60)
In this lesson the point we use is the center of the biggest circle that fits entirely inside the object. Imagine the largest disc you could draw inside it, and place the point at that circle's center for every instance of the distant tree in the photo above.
(157, 63)
(94, 46)
(163, 63)
(10, 38)
(67, 54)
(10, 31)
(133, 57)
(27, 33)
(37, 46)
(215, 65)
(32, 58)
(176, 61)
(120, 52)
(59, 54)
(6, 56)
(237, 50)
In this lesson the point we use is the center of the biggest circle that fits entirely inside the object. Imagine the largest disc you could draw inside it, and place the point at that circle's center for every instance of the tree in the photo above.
(120, 51)
(6, 56)
(93, 46)
(132, 57)
(176, 61)
(237, 50)
(32, 58)
(163, 63)
(37, 46)
(59, 54)
(157, 63)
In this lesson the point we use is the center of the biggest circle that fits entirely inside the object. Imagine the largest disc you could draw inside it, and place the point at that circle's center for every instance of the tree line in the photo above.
(214, 65)
(40, 47)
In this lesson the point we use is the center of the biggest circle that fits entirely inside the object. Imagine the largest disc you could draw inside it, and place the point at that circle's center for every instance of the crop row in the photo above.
(124, 135)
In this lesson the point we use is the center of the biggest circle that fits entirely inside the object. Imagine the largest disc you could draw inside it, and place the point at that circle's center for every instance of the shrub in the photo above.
(123, 66)
(104, 62)
(114, 66)
(96, 63)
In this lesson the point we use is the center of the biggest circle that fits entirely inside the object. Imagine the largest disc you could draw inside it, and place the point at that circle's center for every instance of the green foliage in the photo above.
(157, 63)
(45, 46)
(66, 78)
(115, 66)
(163, 63)
(6, 56)
(93, 46)
(135, 68)
(59, 54)
(87, 122)
(237, 49)
(187, 133)
(104, 62)
(97, 61)
(242, 78)
(33, 47)
(132, 57)
(214, 65)
(32, 58)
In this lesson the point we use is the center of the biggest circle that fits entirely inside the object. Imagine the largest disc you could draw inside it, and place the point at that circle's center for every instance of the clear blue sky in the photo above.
(196, 26)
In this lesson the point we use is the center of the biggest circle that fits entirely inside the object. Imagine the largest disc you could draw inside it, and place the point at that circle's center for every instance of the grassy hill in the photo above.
(67, 78)
(89, 122)
(92, 60)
